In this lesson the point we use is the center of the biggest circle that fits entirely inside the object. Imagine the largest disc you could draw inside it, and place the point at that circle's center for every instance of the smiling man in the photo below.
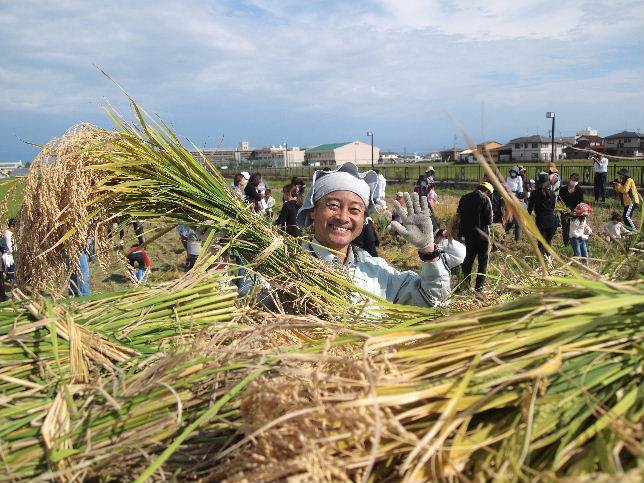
(337, 205)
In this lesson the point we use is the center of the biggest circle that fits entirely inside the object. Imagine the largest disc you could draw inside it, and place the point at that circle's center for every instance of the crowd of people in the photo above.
(479, 210)
(338, 207)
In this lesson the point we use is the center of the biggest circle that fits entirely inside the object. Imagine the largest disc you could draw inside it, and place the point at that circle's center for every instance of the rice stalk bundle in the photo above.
(55, 221)
(113, 427)
(544, 387)
(53, 350)
(148, 174)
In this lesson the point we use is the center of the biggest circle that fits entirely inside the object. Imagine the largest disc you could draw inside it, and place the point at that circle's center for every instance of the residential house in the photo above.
(535, 149)
(625, 143)
(449, 155)
(583, 143)
(488, 149)
(337, 153)
(388, 157)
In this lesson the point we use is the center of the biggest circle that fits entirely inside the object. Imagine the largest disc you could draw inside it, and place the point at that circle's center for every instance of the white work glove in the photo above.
(415, 222)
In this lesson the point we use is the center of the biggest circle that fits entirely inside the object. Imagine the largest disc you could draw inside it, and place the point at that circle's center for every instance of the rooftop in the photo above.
(625, 134)
(328, 147)
(534, 139)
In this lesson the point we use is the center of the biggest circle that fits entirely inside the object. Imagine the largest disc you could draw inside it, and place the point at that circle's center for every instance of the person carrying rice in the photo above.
(337, 205)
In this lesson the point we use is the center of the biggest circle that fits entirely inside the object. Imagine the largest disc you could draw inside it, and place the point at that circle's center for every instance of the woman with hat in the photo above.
(542, 202)
(630, 198)
(336, 207)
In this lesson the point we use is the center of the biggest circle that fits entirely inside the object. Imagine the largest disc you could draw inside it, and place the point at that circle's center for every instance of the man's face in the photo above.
(338, 218)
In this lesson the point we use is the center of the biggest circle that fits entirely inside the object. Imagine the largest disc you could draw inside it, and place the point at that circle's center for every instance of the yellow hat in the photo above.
(488, 186)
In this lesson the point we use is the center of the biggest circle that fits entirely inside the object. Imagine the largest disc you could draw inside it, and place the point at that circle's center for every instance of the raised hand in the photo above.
(415, 222)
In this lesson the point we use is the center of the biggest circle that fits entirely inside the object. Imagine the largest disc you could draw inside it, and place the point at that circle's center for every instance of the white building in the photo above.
(335, 154)
(7, 167)
(587, 132)
(243, 146)
(388, 157)
(279, 156)
(535, 148)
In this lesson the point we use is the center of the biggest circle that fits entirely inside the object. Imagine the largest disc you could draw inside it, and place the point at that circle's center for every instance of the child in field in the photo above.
(615, 229)
(139, 260)
(269, 202)
(580, 230)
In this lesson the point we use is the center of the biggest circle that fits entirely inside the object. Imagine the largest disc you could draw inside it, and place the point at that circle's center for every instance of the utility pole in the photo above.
(370, 134)
(551, 115)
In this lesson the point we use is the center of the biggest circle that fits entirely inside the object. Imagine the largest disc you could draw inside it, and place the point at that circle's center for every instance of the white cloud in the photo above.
(373, 60)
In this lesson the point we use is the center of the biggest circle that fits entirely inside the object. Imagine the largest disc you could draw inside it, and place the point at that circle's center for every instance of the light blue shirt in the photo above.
(430, 288)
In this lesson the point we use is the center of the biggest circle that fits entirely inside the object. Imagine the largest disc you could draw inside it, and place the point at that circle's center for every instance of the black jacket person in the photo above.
(475, 213)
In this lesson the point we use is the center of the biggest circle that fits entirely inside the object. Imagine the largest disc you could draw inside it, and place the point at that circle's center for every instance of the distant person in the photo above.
(529, 188)
(381, 188)
(554, 178)
(400, 201)
(430, 175)
(600, 165)
(287, 219)
(191, 245)
(475, 214)
(615, 229)
(580, 230)
(239, 184)
(252, 192)
(425, 183)
(571, 195)
(542, 203)
(139, 260)
(79, 282)
(496, 200)
(3, 250)
(269, 203)
(514, 183)
(524, 179)
(625, 186)
(10, 250)
(380, 193)
(299, 184)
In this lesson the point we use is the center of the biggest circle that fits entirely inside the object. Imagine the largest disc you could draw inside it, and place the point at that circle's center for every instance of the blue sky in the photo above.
(323, 71)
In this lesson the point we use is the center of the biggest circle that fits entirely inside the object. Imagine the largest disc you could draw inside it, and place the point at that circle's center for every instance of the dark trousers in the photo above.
(548, 234)
(627, 216)
(600, 186)
(476, 247)
(565, 228)
(3, 295)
